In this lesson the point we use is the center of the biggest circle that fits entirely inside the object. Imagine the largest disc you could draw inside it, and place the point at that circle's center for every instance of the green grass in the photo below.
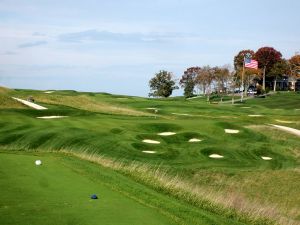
(58, 192)
(114, 126)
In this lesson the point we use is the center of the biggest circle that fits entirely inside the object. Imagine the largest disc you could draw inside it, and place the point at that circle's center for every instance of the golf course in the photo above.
(149, 161)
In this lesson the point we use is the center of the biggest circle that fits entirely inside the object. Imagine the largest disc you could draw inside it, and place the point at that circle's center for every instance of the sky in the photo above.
(117, 46)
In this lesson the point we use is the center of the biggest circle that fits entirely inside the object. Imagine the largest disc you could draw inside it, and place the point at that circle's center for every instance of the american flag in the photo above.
(250, 63)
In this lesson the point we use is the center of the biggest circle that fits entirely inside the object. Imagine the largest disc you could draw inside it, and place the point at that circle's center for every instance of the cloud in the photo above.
(32, 44)
(38, 34)
(9, 53)
(94, 35)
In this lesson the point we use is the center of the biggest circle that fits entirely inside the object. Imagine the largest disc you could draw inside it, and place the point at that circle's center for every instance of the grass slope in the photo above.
(241, 175)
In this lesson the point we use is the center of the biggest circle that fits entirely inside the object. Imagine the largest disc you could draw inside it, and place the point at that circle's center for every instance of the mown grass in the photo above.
(241, 183)
(68, 182)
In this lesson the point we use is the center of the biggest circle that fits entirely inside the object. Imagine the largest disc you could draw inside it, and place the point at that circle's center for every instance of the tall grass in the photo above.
(86, 103)
(230, 205)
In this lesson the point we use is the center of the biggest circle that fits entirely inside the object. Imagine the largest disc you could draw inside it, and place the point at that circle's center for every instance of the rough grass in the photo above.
(6, 102)
(84, 102)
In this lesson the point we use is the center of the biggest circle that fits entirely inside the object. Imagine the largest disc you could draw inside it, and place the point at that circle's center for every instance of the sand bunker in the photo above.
(246, 107)
(194, 140)
(48, 92)
(255, 115)
(166, 133)
(122, 98)
(30, 104)
(51, 117)
(230, 131)
(149, 152)
(152, 108)
(287, 129)
(216, 156)
(266, 158)
(151, 141)
(181, 114)
(285, 121)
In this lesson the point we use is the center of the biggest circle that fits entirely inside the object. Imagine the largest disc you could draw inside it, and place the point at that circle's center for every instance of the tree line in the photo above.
(224, 79)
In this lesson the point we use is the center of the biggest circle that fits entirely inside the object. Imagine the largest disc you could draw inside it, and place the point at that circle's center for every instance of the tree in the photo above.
(239, 58)
(295, 65)
(205, 77)
(222, 75)
(279, 69)
(267, 57)
(188, 81)
(249, 73)
(162, 84)
(294, 69)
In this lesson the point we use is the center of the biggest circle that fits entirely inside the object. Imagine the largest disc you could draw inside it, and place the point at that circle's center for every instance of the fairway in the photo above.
(58, 192)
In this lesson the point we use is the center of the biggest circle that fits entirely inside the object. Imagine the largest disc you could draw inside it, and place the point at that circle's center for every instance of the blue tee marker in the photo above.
(94, 196)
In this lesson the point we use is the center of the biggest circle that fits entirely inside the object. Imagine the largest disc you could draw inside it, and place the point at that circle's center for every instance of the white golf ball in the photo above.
(38, 162)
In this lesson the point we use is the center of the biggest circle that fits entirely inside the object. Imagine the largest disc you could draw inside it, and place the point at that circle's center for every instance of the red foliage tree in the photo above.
(295, 65)
(267, 57)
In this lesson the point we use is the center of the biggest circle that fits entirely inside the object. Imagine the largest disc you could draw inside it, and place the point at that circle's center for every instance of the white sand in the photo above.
(149, 152)
(246, 107)
(151, 141)
(166, 133)
(48, 92)
(194, 140)
(285, 121)
(255, 115)
(216, 156)
(287, 129)
(230, 131)
(266, 158)
(152, 108)
(181, 114)
(51, 117)
(30, 104)
(122, 98)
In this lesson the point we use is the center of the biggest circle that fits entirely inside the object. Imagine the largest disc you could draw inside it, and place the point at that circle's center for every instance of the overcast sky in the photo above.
(116, 46)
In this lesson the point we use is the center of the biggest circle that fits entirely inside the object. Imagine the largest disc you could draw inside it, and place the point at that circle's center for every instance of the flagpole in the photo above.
(242, 93)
